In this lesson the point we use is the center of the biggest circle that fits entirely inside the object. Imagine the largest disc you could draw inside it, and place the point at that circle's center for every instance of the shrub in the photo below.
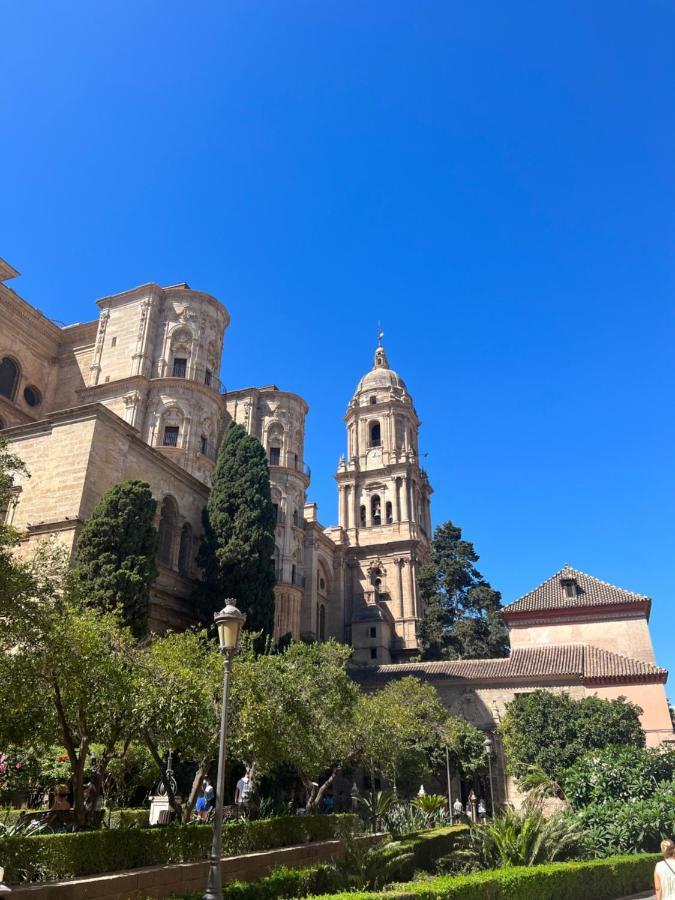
(55, 856)
(422, 851)
(128, 818)
(284, 882)
(553, 730)
(617, 773)
(600, 879)
(524, 838)
(619, 827)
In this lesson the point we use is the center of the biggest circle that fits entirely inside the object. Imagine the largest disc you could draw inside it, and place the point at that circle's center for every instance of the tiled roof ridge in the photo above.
(594, 592)
(612, 654)
(589, 662)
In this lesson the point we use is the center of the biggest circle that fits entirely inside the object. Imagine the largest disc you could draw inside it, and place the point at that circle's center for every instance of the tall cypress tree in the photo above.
(461, 618)
(115, 557)
(238, 543)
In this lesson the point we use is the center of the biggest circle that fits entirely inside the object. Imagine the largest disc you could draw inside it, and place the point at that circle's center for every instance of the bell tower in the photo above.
(384, 512)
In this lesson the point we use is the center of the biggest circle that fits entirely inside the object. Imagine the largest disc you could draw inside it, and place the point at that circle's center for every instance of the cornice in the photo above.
(526, 618)
(157, 291)
(99, 412)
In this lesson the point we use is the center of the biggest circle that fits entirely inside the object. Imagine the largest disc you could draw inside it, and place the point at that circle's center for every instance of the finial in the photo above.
(380, 334)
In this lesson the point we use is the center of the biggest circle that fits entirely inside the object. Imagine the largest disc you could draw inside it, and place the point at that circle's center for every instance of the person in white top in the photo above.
(664, 873)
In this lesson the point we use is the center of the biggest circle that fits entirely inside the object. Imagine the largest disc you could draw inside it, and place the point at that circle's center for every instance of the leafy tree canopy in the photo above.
(623, 774)
(238, 544)
(462, 611)
(553, 731)
(68, 681)
(115, 557)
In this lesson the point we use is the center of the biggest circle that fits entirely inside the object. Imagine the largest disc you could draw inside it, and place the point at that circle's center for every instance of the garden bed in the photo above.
(601, 879)
(56, 856)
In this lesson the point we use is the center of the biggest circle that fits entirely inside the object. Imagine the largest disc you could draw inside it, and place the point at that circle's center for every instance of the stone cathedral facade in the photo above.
(135, 393)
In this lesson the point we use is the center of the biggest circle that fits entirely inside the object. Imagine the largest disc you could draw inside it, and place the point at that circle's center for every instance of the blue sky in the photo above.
(492, 181)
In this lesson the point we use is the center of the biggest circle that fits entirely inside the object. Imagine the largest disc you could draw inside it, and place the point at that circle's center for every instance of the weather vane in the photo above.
(380, 334)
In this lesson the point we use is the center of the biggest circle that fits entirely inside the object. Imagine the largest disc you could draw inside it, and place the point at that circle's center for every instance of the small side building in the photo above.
(573, 633)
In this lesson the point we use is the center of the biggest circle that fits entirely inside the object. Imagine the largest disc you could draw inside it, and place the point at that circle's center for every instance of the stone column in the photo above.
(406, 499)
(399, 563)
(413, 592)
(341, 505)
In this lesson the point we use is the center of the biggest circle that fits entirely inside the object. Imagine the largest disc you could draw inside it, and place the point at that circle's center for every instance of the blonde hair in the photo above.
(668, 848)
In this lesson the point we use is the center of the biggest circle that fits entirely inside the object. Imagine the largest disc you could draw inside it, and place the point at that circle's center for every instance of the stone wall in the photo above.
(186, 878)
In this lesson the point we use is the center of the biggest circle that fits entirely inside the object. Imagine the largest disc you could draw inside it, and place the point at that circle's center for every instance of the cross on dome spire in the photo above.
(380, 361)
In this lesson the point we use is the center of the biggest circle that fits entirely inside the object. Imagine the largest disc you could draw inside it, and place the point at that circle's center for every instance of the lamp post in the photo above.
(487, 746)
(229, 622)
(447, 775)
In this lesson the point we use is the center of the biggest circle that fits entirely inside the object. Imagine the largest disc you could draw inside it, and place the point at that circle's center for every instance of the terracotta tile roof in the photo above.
(590, 592)
(580, 662)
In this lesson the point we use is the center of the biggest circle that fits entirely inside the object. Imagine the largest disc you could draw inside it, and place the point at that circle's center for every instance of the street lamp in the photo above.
(488, 746)
(229, 622)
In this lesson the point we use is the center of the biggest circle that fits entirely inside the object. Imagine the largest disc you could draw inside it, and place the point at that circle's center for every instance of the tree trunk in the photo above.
(200, 775)
(315, 794)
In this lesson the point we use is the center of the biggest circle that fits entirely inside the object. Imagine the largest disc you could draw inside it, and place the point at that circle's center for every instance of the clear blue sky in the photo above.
(494, 181)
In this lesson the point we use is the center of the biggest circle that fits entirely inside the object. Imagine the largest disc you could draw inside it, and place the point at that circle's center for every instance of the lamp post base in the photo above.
(214, 888)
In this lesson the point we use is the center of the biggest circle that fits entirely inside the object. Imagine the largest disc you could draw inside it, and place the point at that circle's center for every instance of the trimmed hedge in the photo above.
(127, 818)
(283, 883)
(116, 818)
(51, 857)
(601, 879)
(423, 850)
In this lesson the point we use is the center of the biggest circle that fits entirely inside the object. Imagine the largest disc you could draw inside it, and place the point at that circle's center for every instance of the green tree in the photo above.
(176, 701)
(296, 708)
(402, 731)
(553, 730)
(462, 617)
(466, 748)
(624, 774)
(115, 556)
(68, 681)
(238, 544)
(16, 583)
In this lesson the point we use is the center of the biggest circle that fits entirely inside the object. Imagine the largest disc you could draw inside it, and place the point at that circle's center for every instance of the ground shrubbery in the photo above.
(603, 879)
(55, 856)
(623, 798)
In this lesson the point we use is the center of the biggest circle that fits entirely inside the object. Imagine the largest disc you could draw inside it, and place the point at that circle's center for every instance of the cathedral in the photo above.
(136, 393)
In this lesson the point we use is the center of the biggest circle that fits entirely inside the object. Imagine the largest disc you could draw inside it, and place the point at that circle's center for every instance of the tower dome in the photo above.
(381, 377)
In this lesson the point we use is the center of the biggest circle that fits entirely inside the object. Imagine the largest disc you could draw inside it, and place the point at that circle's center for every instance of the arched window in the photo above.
(9, 377)
(322, 622)
(375, 509)
(363, 515)
(275, 442)
(293, 573)
(375, 434)
(181, 348)
(295, 517)
(167, 527)
(388, 512)
(185, 550)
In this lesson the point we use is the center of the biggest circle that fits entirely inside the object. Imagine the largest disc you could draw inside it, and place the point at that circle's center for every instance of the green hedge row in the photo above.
(116, 818)
(601, 879)
(284, 883)
(127, 818)
(418, 851)
(423, 850)
(57, 856)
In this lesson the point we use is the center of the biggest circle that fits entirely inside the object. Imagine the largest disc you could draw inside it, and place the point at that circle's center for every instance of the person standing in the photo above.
(242, 793)
(664, 872)
(209, 795)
